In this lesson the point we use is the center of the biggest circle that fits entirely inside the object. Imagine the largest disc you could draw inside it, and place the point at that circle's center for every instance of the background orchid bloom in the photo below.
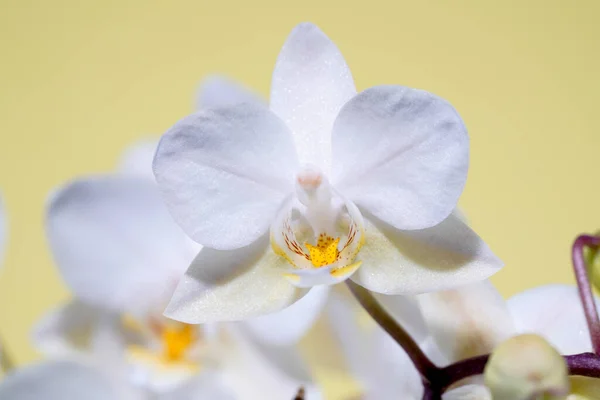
(121, 254)
(70, 380)
(322, 182)
(380, 365)
(469, 321)
(62, 380)
(473, 320)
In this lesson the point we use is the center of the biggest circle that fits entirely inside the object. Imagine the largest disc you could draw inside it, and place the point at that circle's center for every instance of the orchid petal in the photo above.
(115, 243)
(68, 329)
(406, 311)
(468, 392)
(412, 262)
(230, 285)
(137, 159)
(218, 92)
(290, 324)
(377, 361)
(255, 371)
(307, 278)
(225, 172)
(555, 313)
(62, 381)
(311, 82)
(468, 321)
(78, 327)
(402, 154)
(205, 386)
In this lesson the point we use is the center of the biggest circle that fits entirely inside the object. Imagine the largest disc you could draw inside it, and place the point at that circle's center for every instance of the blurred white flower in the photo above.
(62, 380)
(456, 324)
(323, 181)
(474, 319)
(70, 380)
(121, 255)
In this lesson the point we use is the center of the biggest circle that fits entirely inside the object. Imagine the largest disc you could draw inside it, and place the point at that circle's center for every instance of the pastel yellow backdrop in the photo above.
(80, 80)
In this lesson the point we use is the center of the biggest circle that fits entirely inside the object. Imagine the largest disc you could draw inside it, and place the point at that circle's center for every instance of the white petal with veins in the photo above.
(115, 243)
(311, 82)
(319, 233)
(230, 285)
(225, 172)
(412, 262)
(402, 154)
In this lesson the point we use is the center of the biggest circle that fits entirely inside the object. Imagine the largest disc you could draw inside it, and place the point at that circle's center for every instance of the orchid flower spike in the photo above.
(323, 185)
(121, 255)
(470, 321)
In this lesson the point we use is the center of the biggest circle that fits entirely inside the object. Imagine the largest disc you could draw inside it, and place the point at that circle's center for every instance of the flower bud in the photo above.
(527, 367)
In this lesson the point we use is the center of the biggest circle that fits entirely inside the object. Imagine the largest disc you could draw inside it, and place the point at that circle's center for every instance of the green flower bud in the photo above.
(527, 367)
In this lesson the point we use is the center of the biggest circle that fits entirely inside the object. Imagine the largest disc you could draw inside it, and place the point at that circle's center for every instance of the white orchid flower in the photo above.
(70, 380)
(62, 380)
(121, 255)
(466, 322)
(322, 185)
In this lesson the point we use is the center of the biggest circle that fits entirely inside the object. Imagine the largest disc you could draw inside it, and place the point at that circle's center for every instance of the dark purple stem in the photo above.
(585, 289)
(429, 393)
(436, 380)
(584, 364)
(460, 370)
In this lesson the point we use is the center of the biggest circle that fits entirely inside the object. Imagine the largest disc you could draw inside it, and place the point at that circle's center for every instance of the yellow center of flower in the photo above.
(325, 252)
(177, 340)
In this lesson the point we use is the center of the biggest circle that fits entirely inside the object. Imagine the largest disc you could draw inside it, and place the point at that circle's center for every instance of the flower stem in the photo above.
(584, 364)
(429, 393)
(585, 288)
(424, 365)
(436, 380)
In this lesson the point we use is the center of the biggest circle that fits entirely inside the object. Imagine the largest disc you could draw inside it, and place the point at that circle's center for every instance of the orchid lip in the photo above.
(318, 232)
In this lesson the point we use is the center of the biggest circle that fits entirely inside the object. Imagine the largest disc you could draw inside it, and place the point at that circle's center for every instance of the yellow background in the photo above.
(80, 80)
